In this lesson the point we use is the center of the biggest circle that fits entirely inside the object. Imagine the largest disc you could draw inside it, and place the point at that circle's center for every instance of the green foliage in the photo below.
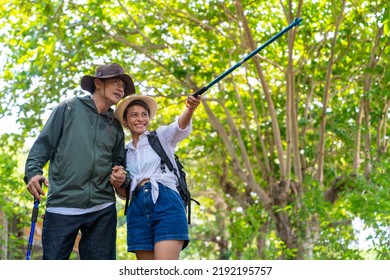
(172, 49)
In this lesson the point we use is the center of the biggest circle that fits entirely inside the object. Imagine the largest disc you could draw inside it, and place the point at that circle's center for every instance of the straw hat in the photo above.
(125, 102)
(108, 71)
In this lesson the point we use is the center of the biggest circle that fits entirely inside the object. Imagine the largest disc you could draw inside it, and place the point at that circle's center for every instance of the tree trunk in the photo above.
(321, 146)
(3, 236)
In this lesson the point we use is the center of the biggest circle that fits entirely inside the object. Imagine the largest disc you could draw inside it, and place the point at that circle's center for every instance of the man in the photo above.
(83, 142)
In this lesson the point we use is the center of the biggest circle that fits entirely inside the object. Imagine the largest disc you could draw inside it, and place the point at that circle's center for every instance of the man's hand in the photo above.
(118, 176)
(35, 188)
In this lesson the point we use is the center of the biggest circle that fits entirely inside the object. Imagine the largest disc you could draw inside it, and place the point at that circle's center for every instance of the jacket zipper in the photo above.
(93, 161)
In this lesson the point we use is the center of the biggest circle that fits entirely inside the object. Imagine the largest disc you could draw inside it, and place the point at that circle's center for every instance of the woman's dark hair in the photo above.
(137, 102)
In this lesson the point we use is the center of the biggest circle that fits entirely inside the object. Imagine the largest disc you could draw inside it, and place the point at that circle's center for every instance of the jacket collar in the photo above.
(88, 101)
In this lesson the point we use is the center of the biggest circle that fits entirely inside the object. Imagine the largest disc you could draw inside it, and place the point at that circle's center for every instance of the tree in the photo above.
(282, 157)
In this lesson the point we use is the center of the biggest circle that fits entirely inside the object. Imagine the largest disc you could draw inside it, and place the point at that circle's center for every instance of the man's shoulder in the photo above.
(75, 100)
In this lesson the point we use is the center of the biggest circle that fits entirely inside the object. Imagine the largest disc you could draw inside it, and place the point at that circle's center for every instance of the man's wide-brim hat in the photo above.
(113, 70)
(125, 102)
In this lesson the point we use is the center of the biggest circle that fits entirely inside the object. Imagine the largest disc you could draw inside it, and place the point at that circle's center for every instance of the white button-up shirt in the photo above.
(143, 162)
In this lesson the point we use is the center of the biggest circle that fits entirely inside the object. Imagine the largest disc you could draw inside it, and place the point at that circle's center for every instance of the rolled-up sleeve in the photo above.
(173, 134)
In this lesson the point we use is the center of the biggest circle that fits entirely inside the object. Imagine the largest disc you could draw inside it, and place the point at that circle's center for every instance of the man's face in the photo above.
(114, 90)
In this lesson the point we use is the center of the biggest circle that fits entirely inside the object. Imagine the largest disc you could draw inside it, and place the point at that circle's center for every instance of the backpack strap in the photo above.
(157, 147)
(127, 191)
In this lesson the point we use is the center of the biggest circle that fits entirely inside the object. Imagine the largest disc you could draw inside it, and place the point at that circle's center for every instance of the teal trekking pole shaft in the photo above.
(202, 90)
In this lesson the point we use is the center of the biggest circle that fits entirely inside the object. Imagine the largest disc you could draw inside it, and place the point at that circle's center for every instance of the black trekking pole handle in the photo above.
(202, 90)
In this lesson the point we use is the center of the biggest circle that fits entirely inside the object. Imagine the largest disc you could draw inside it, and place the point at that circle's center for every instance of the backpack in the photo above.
(180, 174)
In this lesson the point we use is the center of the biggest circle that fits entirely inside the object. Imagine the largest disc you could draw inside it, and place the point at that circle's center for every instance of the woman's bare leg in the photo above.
(168, 249)
(144, 255)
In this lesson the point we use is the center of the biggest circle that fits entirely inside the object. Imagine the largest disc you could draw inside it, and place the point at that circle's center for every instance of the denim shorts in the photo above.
(149, 223)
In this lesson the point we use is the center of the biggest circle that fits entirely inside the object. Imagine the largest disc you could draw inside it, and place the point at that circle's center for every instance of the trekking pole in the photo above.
(34, 218)
(296, 22)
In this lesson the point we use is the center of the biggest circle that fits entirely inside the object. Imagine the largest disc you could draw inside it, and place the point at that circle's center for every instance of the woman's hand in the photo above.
(192, 102)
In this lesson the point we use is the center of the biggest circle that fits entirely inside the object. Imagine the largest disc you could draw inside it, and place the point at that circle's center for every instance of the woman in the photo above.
(156, 220)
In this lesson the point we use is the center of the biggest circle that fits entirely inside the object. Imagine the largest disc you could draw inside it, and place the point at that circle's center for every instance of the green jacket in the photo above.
(82, 147)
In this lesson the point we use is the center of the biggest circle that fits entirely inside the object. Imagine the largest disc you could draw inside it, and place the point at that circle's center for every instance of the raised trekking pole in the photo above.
(202, 90)
(34, 218)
